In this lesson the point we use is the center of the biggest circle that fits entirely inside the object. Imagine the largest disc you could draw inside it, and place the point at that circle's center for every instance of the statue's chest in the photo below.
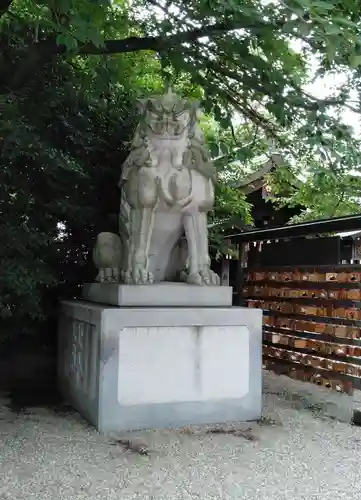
(174, 178)
(166, 159)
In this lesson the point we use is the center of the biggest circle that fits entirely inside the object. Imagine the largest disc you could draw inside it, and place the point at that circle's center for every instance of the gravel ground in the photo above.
(296, 454)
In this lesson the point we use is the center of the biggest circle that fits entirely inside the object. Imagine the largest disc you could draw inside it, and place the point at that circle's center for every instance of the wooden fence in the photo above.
(312, 322)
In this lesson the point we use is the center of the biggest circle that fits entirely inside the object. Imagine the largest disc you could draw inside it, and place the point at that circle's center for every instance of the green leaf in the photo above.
(97, 39)
(214, 149)
(345, 22)
(304, 3)
(355, 60)
(323, 5)
(224, 148)
(332, 29)
(304, 28)
(63, 6)
(67, 40)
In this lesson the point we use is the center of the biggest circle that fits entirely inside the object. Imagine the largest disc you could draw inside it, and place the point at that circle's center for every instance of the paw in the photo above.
(210, 278)
(213, 278)
(108, 275)
(137, 276)
(206, 277)
(195, 279)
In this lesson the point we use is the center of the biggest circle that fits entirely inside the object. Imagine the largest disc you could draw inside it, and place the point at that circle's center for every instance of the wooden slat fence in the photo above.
(312, 322)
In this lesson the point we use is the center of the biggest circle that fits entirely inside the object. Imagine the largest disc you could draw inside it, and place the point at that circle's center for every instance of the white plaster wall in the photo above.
(182, 363)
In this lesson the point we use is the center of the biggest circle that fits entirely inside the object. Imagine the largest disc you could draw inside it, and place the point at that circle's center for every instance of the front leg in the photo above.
(190, 228)
(208, 276)
(142, 221)
(200, 273)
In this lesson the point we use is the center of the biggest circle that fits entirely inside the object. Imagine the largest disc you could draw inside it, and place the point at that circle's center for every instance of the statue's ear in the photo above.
(142, 105)
(196, 105)
(196, 109)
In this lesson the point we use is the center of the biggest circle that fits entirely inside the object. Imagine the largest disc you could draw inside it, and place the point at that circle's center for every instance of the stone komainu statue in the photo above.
(167, 188)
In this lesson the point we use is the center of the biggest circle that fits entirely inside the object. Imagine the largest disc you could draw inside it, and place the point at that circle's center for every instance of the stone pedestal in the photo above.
(158, 295)
(128, 368)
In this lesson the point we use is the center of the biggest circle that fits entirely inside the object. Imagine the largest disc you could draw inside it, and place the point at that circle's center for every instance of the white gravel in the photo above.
(297, 456)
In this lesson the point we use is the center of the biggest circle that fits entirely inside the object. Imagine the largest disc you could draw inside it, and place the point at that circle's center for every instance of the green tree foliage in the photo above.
(240, 54)
(250, 65)
(63, 137)
(61, 152)
(70, 71)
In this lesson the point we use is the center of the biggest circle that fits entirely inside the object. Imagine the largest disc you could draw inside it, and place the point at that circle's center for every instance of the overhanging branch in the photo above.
(40, 53)
(160, 43)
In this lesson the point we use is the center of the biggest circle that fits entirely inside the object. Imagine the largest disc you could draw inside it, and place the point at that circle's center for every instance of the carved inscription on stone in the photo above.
(82, 357)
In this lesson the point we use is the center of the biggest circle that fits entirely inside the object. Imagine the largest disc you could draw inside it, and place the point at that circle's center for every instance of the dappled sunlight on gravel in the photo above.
(292, 454)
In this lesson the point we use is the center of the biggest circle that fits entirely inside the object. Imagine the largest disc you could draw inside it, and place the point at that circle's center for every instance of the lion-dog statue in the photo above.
(167, 188)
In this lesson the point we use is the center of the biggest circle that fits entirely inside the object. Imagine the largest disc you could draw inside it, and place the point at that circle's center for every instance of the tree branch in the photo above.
(45, 50)
(40, 53)
(246, 110)
(159, 43)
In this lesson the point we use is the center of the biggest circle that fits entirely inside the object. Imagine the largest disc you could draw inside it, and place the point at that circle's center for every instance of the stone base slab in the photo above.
(158, 295)
(132, 368)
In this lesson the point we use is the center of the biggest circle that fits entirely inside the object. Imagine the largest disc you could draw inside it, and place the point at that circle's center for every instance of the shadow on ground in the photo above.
(21, 399)
(28, 379)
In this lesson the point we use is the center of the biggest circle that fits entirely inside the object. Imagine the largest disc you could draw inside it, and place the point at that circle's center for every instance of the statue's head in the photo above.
(167, 116)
